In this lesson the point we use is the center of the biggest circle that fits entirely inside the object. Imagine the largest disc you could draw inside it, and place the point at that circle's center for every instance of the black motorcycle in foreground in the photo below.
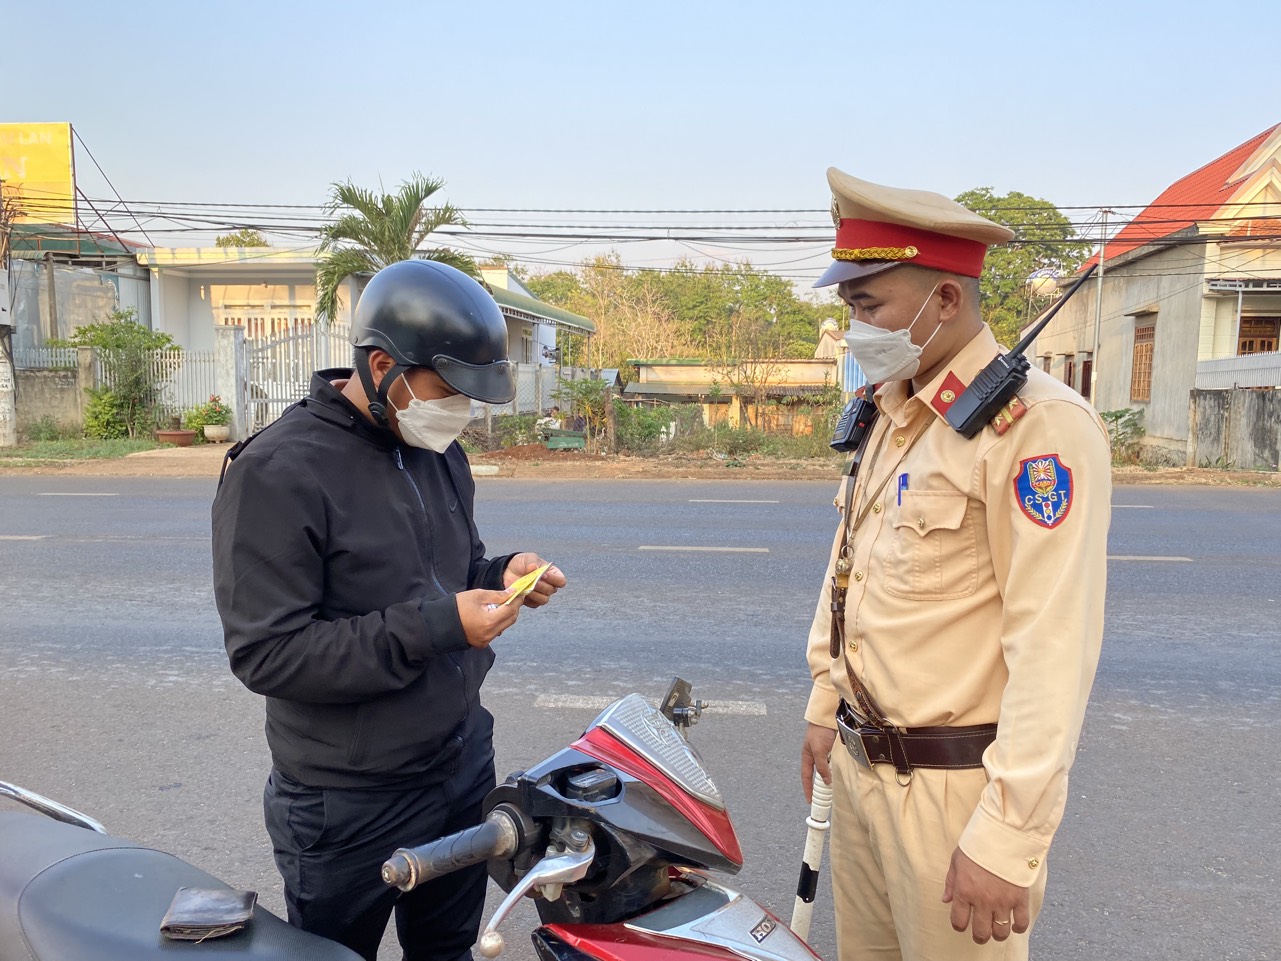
(614, 836)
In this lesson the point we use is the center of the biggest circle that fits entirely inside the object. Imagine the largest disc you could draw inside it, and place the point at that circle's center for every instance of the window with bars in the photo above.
(1087, 375)
(1141, 368)
(1045, 363)
(1069, 371)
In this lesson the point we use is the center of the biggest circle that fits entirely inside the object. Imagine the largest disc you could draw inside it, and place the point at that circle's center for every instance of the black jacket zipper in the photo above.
(431, 533)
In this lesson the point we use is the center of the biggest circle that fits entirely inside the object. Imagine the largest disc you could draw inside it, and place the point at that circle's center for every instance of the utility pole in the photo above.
(8, 383)
(1098, 313)
(53, 295)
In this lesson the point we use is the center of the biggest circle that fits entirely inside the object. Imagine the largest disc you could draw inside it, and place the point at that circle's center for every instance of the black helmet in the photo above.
(428, 314)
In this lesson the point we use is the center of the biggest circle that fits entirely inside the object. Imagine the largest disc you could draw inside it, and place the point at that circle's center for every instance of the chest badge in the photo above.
(1044, 489)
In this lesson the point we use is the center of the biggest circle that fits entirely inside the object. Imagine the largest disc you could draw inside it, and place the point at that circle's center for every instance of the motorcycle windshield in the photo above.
(644, 729)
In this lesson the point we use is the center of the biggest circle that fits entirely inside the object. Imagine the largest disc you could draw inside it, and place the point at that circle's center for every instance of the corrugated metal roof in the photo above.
(553, 315)
(39, 239)
(1187, 201)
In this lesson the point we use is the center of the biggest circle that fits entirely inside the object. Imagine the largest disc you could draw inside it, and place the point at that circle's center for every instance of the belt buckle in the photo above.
(852, 738)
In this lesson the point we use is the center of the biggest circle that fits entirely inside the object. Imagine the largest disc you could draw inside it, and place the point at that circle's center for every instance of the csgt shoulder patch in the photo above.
(1044, 489)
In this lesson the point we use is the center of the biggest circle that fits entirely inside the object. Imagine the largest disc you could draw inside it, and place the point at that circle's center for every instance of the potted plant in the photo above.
(213, 418)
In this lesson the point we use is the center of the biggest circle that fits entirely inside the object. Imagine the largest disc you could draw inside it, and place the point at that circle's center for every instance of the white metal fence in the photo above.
(1250, 370)
(185, 377)
(44, 358)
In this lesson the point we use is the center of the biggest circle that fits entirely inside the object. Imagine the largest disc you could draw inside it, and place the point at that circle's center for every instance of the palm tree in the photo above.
(381, 229)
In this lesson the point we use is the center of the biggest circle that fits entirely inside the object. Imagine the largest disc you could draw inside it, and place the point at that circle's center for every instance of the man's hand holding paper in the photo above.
(532, 579)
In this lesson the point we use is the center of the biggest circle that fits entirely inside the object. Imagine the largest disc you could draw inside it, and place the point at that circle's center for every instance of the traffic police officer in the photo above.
(972, 574)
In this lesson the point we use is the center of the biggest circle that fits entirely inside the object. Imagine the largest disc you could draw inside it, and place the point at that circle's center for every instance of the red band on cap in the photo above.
(865, 239)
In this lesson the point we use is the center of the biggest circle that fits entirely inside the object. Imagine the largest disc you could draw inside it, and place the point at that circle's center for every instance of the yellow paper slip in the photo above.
(525, 584)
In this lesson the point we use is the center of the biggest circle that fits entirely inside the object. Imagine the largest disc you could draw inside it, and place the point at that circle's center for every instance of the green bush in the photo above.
(512, 430)
(585, 399)
(105, 416)
(125, 348)
(1125, 429)
(49, 429)
(639, 430)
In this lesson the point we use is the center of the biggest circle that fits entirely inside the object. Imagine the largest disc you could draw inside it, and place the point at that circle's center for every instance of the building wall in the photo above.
(169, 306)
(1235, 428)
(133, 291)
(1165, 289)
(49, 393)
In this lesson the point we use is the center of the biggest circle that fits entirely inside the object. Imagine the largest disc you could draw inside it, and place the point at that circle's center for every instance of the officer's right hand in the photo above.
(483, 615)
(816, 752)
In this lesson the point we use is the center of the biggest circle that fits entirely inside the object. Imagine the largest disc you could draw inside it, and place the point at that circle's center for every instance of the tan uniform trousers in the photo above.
(891, 847)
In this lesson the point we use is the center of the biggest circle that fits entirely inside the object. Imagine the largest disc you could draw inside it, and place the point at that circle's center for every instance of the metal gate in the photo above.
(280, 367)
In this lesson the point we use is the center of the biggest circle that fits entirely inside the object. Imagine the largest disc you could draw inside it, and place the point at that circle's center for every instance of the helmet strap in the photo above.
(377, 396)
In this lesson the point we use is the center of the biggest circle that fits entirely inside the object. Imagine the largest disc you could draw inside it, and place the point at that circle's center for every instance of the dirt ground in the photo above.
(535, 461)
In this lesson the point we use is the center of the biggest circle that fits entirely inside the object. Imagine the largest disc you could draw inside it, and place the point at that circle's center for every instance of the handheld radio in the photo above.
(998, 382)
(855, 421)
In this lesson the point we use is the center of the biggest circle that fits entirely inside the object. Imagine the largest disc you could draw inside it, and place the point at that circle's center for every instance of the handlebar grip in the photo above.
(496, 837)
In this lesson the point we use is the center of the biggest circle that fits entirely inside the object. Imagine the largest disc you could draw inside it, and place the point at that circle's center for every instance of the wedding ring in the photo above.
(1000, 922)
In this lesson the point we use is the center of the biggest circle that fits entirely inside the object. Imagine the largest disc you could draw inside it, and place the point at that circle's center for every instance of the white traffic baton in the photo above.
(819, 822)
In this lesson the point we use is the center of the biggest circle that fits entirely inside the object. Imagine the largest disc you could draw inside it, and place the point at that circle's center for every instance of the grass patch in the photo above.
(42, 451)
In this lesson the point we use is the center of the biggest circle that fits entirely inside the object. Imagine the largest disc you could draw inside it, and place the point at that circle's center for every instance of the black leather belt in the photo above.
(912, 747)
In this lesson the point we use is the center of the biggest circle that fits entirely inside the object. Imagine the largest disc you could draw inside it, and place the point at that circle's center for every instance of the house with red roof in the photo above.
(1190, 300)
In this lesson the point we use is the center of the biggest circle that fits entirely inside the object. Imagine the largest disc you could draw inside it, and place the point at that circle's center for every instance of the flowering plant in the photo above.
(213, 411)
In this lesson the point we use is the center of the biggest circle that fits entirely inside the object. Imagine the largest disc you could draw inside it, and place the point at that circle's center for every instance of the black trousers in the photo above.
(330, 845)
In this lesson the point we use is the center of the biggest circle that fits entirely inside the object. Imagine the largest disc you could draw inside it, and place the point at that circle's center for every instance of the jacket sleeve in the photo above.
(1052, 572)
(269, 541)
(487, 572)
(484, 572)
(823, 700)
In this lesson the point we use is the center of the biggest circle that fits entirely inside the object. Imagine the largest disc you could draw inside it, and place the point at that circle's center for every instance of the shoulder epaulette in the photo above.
(1008, 415)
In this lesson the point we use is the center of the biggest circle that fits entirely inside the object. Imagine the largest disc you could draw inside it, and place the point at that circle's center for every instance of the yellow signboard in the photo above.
(37, 173)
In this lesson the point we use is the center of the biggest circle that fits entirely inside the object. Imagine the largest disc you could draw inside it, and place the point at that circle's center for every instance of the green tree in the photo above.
(1044, 239)
(126, 349)
(245, 237)
(377, 229)
(690, 311)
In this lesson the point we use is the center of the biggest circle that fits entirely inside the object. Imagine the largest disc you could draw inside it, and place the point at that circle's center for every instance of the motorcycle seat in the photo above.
(70, 894)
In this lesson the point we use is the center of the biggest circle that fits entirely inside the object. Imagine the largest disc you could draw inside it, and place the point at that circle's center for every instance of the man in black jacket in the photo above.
(355, 595)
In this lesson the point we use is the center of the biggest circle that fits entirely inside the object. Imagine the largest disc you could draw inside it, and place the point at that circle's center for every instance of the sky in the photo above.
(655, 105)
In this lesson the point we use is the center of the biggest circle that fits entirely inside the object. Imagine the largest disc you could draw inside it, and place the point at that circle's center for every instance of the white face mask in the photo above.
(886, 355)
(433, 424)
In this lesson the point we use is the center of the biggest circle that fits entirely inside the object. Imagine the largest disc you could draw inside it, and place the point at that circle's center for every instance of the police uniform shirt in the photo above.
(976, 591)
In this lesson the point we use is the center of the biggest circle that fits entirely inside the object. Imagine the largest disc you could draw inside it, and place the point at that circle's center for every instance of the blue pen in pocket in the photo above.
(902, 486)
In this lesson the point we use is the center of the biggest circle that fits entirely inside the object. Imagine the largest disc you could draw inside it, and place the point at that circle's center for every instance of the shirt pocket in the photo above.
(933, 555)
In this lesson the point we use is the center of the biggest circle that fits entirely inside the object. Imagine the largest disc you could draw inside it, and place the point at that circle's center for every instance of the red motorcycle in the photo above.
(614, 835)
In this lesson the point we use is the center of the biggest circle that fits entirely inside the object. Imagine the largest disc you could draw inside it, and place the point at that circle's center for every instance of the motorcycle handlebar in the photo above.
(496, 837)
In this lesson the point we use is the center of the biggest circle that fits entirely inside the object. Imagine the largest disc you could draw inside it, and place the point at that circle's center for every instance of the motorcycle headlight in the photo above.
(644, 729)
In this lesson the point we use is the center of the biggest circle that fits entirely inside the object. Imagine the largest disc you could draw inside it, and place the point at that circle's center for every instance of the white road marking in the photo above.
(580, 702)
(1135, 507)
(75, 494)
(23, 537)
(722, 550)
(718, 500)
(1148, 557)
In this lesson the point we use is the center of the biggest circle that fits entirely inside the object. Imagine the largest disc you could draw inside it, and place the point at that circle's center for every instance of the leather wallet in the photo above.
(198, 913)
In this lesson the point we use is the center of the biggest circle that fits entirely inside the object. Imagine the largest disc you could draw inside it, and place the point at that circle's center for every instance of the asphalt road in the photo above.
(115, 697)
